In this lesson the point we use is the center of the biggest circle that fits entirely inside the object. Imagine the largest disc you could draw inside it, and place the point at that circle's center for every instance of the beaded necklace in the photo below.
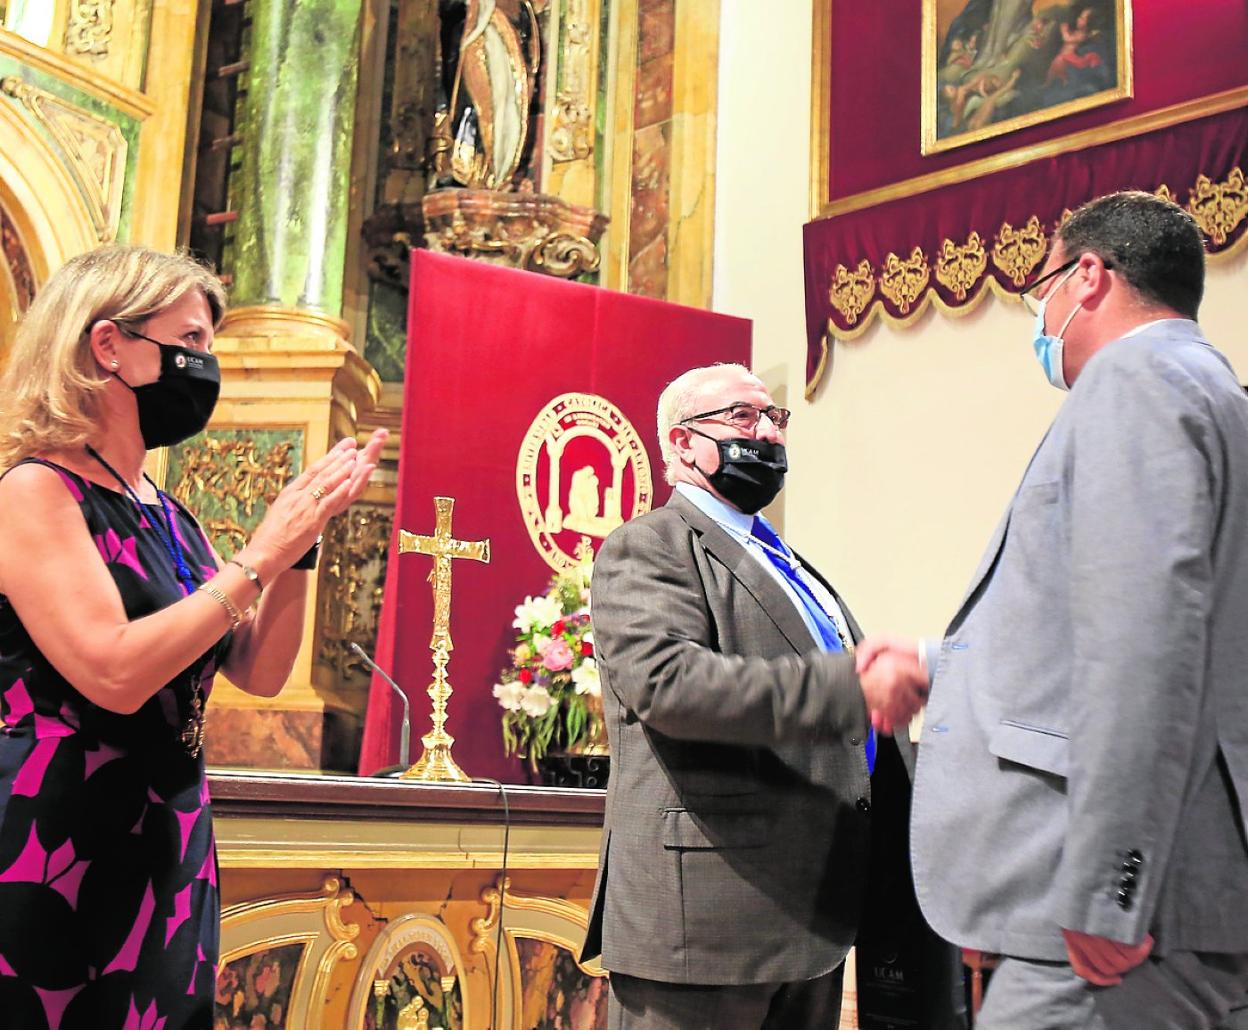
(192, 735)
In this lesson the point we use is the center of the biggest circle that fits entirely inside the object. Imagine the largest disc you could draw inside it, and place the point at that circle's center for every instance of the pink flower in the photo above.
(557, 655)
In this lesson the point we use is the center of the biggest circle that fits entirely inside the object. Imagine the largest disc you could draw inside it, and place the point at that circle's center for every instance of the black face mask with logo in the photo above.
(180, 403)
(751, 472)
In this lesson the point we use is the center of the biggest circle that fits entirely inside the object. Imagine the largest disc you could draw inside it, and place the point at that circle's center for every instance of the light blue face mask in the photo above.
(1049, 349)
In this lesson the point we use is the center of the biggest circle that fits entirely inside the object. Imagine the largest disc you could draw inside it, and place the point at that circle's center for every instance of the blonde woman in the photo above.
(114, 615)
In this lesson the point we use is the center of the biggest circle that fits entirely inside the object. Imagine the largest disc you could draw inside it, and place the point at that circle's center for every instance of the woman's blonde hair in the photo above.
(49, 393)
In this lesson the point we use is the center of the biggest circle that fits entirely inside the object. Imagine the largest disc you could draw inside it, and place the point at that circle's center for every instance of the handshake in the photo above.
(894, 681)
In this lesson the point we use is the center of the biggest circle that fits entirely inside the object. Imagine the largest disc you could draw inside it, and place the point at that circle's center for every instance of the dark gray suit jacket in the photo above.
(738, 809)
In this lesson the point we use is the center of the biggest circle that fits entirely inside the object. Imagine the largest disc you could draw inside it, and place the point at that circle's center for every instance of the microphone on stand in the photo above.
(405, 738)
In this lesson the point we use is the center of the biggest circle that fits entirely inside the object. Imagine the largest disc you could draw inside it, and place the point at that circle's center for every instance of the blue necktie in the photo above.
(776, 553)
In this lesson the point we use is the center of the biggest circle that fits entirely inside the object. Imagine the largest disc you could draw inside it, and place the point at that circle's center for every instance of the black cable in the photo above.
(502, 895)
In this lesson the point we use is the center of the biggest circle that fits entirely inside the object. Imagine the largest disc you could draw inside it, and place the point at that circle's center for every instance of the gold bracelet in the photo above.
(236, 617)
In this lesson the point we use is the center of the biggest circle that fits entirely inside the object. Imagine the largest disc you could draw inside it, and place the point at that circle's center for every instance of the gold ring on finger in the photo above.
(317, 493)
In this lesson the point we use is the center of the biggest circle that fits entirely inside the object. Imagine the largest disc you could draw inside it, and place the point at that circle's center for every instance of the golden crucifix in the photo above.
(436, 764)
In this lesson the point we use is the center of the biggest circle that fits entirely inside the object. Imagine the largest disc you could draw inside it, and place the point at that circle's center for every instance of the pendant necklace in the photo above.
(192, 734)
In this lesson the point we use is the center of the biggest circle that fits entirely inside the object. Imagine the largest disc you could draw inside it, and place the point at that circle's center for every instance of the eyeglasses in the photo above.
(745, 416)
(1027, 294)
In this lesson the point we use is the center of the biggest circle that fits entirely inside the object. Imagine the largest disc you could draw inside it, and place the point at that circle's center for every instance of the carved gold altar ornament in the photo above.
(903, 282)
(95, 151)
(850, 292)
(533, 231)
(959, 268)
(571, 135)
(1018, 251)
(436, 764)
(580, 446)
(89, 28)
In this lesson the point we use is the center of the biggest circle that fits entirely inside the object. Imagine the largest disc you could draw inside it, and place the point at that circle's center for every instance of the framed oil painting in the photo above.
(997, 66)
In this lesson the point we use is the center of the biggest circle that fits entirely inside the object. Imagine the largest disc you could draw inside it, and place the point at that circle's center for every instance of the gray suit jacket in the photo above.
(737, 825)
(1085, 750)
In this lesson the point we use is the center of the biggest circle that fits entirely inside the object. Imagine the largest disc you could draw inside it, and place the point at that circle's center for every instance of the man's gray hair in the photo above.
(679, 400)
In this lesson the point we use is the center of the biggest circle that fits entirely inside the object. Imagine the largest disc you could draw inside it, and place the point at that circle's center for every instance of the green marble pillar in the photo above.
(291, 185)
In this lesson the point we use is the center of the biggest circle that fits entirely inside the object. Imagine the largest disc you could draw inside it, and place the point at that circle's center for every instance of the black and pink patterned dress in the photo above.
(109, 912)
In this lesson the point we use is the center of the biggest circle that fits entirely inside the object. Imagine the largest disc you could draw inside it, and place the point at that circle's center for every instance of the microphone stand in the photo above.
(405, 739)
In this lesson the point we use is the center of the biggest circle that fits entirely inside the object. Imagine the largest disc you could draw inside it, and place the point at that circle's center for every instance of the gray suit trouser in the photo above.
(637, 1004)
(1183, 990)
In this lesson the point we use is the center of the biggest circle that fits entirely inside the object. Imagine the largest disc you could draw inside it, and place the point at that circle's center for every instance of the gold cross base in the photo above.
(436, 766)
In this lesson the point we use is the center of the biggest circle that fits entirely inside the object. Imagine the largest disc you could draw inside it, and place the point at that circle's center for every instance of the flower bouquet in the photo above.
(550, 695)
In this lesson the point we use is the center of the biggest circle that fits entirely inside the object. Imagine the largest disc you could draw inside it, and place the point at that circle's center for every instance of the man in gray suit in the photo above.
(1078, 806)
(738, 811)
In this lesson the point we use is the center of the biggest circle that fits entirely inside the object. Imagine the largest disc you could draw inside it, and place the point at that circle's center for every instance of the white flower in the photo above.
(537, 611)
(540, 643)
(510, 695)
(589, 637)
(536, 701)
(585, 678)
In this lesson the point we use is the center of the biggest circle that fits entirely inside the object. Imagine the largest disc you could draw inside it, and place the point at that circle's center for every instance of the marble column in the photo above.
(291, 187)
(293, 384)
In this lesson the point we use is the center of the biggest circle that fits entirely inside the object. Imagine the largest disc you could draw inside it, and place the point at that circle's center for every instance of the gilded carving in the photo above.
(414, 935)
(958, 269)
(533, 231)
(231, 481)
(316, 921)
(90, 27)
(18, 262)
(851, 292)
(94, 150)
(565, 255)
(1017, 252)
(571, 132)
(903, 282)
(1219, 207)
(355, 572)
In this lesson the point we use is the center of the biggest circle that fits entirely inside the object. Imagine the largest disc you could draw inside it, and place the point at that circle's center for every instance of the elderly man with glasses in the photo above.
(739, 812)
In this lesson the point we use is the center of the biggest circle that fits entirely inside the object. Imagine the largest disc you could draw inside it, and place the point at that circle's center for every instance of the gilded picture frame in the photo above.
(991, 67)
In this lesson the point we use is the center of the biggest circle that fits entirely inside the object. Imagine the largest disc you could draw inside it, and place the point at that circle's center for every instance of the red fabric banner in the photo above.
(530, 401)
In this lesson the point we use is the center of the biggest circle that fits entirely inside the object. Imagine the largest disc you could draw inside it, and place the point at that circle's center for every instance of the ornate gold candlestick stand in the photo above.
(436, 764)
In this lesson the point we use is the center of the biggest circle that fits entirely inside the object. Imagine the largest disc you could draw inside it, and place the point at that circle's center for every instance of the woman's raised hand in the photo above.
(298, 514)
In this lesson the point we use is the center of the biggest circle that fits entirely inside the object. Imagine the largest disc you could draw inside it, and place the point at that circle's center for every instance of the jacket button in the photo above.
(1135, 858)
(1124, 898)
(854, 741)
(863, 805)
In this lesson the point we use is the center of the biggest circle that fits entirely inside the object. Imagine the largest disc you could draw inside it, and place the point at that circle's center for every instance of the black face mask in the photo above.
(179, 404)
(751, 472)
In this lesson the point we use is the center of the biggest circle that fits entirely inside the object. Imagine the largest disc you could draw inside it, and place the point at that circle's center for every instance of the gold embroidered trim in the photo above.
(903, 282)
(1218, 207)
(1017, 251)
(959, 268)
(851, 291)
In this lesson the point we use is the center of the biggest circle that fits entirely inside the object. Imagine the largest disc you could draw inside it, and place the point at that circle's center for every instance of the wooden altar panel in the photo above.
(330, 884)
